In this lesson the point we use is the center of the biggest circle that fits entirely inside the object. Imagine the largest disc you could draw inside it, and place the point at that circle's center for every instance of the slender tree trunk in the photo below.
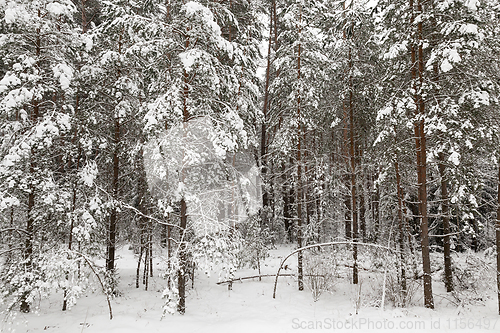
(401, 229)
(73, 205)
(299, 161)
(113, 218)
(263, 137)
(145, 280)
(448, 277)
(422, 161)
(352, 156)
(74, 142)
(353, 191)
(375, 210)
(163, 236)
(144, 225)
(362, 212)
(347, 176)
(150, 248)
(169, 247)
(28, 243)
(72, 224)
(10, 240)
(138, 272)
(306, 186)
(181, 274)
(287, 215)
(183, 260)
(84, 16)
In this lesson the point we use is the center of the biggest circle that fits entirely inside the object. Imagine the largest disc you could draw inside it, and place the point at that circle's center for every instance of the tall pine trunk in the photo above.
(448, 277)
(113, 218)
(30, 221)
(375, 209)
(299, 161)
(401, 229)
(181, 273)
(348, 34)
(362, 211)
(263, 136)
(420, 147)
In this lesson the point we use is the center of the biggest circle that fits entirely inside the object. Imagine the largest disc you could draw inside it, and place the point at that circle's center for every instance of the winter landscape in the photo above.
(249, 166)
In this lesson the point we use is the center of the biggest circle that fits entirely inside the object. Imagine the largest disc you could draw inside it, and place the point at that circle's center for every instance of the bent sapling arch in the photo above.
(320, 245)
(98, 278)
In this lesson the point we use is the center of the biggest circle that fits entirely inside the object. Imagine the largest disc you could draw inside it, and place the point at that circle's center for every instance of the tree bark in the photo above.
(181, 273)
(352, 156)
(263, 136)
(112, 227)
(299, 161)
(362, 212)
(183, 260)
(113, 218)
(420, 144)
(375, 210)
(448, 275)
(287, 214)
(28, 243)
(401, 229)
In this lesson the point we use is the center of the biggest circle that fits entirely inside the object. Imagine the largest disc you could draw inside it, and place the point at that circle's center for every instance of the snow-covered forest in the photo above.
(162, 155)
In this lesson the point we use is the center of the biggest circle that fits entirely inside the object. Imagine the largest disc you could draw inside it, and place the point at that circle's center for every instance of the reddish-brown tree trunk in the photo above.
(422, 160)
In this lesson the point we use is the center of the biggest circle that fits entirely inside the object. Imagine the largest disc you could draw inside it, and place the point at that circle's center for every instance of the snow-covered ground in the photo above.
(249, 307)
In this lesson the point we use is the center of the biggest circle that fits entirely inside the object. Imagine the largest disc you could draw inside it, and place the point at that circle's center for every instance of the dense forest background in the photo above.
(218, 129)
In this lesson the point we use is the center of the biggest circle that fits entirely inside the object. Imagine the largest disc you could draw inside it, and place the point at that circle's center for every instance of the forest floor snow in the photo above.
(250, 307)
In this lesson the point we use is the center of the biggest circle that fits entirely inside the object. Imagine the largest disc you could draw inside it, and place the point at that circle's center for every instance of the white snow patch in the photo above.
(384, 113)
(64, 73)
(454, 158)
(193, 8)
(8, 80)
(446, 66)
(395, 50)
(453, 55)
(89, 173)
(372, 4)
(88, 41)
(10, 15)
(56, 8)
(472, 4)
(468, 28)
(335, 122)
(190, 57)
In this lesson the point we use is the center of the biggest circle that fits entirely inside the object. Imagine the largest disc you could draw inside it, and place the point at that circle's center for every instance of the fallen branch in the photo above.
(230, 282)
(320, 245)
(252, 277)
